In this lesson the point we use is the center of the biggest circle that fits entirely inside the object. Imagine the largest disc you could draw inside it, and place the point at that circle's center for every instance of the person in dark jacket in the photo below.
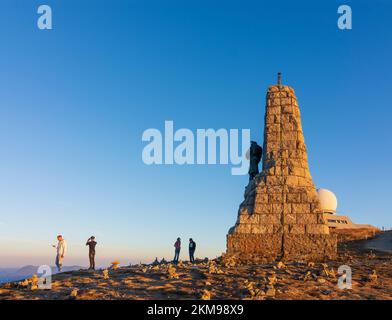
(177, 249)
(91, 243)
(192, 248)
(255, 154)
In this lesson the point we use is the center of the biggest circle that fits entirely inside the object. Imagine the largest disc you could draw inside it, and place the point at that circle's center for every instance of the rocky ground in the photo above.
(371, 279)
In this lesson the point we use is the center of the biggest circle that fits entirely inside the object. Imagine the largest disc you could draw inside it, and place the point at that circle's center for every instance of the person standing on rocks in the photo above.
(91, 243)
(192, 248)
(61, 250)
(177, 249)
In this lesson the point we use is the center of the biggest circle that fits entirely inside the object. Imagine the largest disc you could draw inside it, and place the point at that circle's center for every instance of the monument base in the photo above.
(266, 248)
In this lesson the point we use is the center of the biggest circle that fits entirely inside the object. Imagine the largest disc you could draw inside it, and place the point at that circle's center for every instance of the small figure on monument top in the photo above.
(255, 154)
(279, 78)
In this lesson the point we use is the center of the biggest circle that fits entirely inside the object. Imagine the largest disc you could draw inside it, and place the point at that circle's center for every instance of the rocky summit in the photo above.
(223, 278)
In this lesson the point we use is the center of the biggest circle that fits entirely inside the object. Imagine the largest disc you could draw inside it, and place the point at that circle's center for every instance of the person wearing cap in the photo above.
(61, 250)
(177, 249)
(91, 243)
(192, 248)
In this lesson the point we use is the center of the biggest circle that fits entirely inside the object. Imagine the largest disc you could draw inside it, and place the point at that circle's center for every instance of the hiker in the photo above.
(177, 246)
(91, 243)
(61, 249)
(192, 248)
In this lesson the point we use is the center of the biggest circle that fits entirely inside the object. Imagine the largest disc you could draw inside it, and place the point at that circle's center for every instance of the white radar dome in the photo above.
(328, 201)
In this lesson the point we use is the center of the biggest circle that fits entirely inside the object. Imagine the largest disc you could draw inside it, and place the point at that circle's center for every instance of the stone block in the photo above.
(272, 89)
(294, 228)
(277, 208)
(270, 218)
(272, 118)
(287, 126)
(288, 108)
(293, 197)
(289, 135)
(257, 228)
(300, 208)
(249, 218)
(317, 247)
(262, 198)
(274, 180)
(275, 102)
(274, 127)
(296, 171)
(275, 198)
(278, 228)
(285, 101)
(273, 189)
(320, 218)
(302, 181)
(289, 145)
(243, 228)
(262, 208)
(290, 218)
(282, 94)
(317, 229)
(269, 228)
(287, 208)
(272, 136)
(254, 248)
(307, 218)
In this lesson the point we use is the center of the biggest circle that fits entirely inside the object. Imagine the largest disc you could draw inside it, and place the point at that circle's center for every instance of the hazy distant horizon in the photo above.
(80, 260)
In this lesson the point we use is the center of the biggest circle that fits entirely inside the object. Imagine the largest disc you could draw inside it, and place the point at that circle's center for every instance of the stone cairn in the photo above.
(280, 218)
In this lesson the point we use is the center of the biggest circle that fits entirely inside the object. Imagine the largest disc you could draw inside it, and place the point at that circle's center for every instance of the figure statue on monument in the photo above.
(255, 154)
(279, 78)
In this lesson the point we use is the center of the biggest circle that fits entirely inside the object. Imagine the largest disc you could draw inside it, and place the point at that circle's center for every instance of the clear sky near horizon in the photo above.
(75, 100)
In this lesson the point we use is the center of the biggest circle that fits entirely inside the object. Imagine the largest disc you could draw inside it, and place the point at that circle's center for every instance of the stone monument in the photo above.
(280, 218)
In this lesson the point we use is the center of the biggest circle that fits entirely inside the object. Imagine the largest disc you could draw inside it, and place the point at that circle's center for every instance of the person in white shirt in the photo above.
(61, 249)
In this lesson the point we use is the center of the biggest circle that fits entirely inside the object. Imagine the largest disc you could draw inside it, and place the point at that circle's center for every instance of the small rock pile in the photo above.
(31, 284)
(172, 272)
(229, 261)
(213, 268)
(105, 274)
(206, 295)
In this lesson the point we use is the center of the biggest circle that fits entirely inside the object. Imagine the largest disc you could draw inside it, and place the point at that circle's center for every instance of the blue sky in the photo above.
(75, 100)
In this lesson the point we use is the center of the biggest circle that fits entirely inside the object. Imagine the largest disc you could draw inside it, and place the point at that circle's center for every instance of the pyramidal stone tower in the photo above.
(280, 218)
